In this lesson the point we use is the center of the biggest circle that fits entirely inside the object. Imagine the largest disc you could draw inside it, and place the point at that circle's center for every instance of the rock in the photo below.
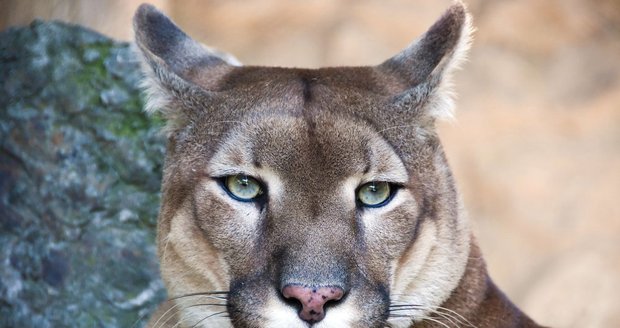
(79, 181)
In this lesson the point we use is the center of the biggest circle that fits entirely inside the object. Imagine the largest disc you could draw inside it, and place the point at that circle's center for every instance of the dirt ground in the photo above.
(535, 146)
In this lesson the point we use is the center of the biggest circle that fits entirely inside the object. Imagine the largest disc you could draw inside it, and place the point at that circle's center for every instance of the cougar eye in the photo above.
(242, 187)
(374, 194)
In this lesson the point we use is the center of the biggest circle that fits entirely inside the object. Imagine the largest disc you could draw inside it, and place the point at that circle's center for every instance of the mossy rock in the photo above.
(80, 167)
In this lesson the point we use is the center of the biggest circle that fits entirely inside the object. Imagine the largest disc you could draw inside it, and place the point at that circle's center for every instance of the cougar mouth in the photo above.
(254, 302)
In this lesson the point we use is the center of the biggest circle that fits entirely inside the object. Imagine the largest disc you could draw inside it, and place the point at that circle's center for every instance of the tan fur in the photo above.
(313, 138)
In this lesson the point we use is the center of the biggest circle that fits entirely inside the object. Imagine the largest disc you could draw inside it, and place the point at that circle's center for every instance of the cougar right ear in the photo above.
(425, 67)
(178, 69)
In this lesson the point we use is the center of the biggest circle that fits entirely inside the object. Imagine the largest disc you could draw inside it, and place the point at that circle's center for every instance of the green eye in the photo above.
(374, 194)
(243, 187)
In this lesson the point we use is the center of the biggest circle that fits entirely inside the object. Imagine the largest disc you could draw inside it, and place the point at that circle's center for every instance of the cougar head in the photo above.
(305, 197)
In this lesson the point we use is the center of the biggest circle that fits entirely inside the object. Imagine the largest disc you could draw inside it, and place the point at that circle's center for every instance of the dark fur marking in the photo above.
(307, 89)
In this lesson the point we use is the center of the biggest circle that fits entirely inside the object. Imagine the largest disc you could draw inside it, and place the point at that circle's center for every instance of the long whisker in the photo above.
(405, 305)
(443, 312)
(452, 319)
(207, 317)
(205, 304)
(202, 304)
(142, 317)
(165, 313)
(200, 294)
(454, 314)
(439, 310)
(178, 307)
(458, 315)
(448, 317)
(436, 321)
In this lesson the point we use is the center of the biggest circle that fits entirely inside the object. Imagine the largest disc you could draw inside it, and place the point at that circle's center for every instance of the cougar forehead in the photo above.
(307, 151)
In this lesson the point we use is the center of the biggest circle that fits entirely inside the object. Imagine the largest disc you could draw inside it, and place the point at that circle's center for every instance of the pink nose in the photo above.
(312, 300)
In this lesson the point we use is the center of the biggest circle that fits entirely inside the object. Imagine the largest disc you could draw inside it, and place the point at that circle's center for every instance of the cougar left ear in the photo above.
(424, 68)
(180, 72)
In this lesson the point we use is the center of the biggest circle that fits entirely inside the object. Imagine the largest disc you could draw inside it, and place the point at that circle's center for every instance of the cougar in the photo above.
(316, 198)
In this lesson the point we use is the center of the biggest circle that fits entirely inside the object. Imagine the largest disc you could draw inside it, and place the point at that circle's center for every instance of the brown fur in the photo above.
(479, 300)
(313, 137)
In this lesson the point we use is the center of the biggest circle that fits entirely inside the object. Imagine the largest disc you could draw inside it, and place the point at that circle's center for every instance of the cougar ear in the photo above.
(424, 68)
(178, 69)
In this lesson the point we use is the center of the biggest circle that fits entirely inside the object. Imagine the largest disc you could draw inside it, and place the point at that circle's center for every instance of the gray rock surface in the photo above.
(79, 181)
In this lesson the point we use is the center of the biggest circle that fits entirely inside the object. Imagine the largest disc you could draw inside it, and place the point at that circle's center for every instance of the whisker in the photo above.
(405, 305)
(446, 314)
(205, 304)
(203, 319)
(186, 297)
(176, 325)
(164, 314)
(199, 294)
(443, 315)
(392, 316)
(435, 321)
(142, 317)
(441, 311)
(207, 317)
(196, 305)
(454, 317)
(438, 309)
(458, 315)
(178, 307)
(448, 317)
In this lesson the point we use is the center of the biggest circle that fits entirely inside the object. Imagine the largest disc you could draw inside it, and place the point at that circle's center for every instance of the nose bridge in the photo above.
(314, 252)
(314, 265)
(313, 208)
(314, 230)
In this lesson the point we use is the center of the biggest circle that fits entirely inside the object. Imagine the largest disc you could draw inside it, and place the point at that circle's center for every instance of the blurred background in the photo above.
(535, 146)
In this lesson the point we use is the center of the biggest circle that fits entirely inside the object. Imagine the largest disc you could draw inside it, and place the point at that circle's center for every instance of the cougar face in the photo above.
(307, 236)
(297, 197)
